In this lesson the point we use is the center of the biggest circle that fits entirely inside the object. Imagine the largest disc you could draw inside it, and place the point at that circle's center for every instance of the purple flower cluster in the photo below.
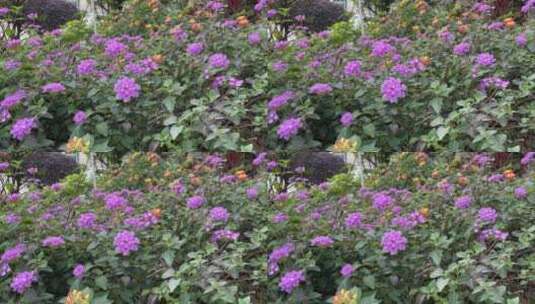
(320, 89)
(485, 59)
(195, 202)
(224, 234)
(114, 201)
(219, 214)
(488, 215)
(87, 220)
(142, 221)
(461, 49)
(13, 99)
(322, 241)
(126, 89)
(53, 241)
(252, 193)
(381, 48)
(528, 6)
(353, 68)
(86, 67)
(114, 48)
(22, 281)
(79, 118)
(347, 270)
(393, 89)
(493, 81)
(23, 127)
(54, 87)
(492, 233)
(12, 254)
(353, 220)
(289, 128)
(195, 48)
(463, 202)
(280, 100)
(291, 280)
(521, 193)
(79, 271)
(277, 255)
(126, 242)
(219, 61)
(393, 242)
(254, 38)
(381, 201)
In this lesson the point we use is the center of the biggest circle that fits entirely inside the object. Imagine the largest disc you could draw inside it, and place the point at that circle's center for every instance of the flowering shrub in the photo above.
(195, 79)
(184, 229)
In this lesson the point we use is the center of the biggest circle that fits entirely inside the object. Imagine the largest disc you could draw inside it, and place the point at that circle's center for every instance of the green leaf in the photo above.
(369, 281)
(168, 257)
(244, 300)
(102, 282)
(442, 283)
(175, 131)
(436, 104)
(173, 284)
(170, 120)
(103, 299)
(102, 128)
(101, 148)
(436, 256)
(169, 103)
(442, 132)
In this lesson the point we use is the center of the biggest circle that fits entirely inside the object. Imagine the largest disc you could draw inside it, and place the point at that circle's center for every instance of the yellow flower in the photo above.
(345, 297)
(344, 145)
(77, 144)
(77, 297)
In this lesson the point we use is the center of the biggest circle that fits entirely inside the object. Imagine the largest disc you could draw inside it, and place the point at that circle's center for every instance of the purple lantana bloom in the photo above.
(22, 128)
(322, 241)
(320, 89)
(487, 215)
(126, 242)
(79, 118)
(393, 89)
(352, 68)
(53, 241)
(219, 61)
(79, 271)
(126, 89)
(54, 87)
(195, 48)
(291, 280)
(195, 202)
(485, 59)
(219, 214)
(346, 119)
(347, 270)
(22, 281)
(289, 128)
(393, 242)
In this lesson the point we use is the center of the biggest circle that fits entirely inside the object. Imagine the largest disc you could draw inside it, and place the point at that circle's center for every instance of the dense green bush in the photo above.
(396, 93)
(155, 231)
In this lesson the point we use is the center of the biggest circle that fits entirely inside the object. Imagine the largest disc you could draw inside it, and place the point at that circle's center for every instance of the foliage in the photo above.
(444, 100)
(449, 256)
